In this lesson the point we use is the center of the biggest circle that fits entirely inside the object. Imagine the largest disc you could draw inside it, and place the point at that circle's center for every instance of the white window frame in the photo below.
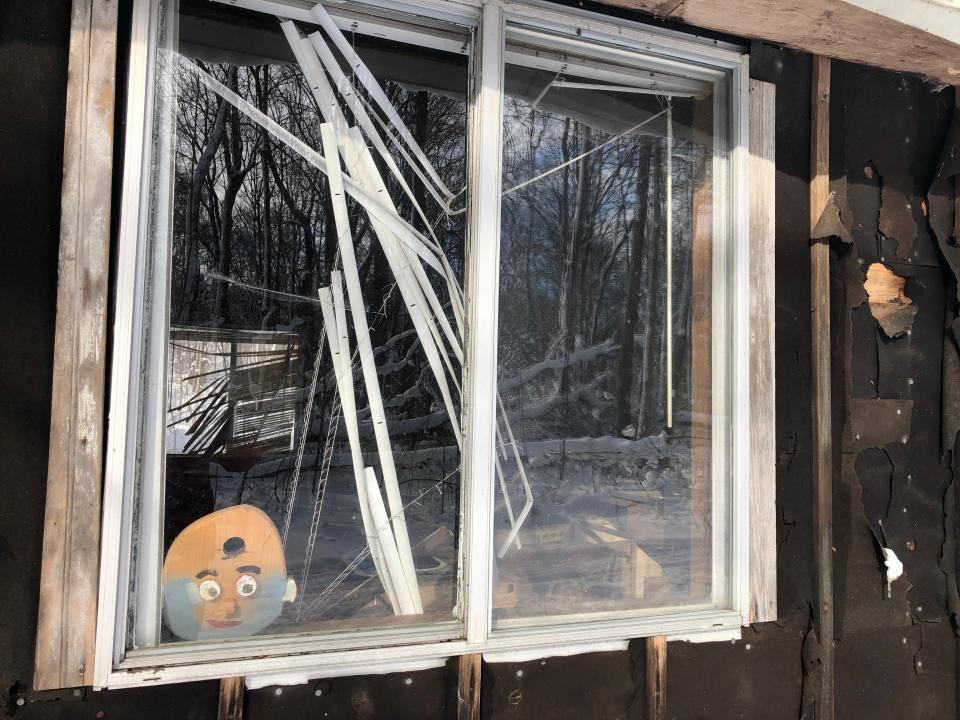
(296, 657)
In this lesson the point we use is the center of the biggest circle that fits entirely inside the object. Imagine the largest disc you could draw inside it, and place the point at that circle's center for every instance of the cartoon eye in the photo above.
(209, 590)
(246, 586)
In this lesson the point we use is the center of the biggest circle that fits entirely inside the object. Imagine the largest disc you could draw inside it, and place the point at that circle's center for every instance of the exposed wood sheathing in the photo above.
(656, 677)
(889, 304)
(230, 706)
(468, 686)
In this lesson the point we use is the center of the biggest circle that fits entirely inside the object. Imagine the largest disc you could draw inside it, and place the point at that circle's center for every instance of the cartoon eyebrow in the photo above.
(249, 569)
(202, 573)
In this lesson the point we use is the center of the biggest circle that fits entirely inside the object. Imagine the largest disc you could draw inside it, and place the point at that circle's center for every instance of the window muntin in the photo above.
(604, 351)
(606, 46)
(261, 479)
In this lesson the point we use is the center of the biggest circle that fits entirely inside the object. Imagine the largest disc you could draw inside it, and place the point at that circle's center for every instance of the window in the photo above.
(434, 338)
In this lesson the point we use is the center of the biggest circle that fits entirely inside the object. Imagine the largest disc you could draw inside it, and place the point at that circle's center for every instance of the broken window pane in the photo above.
(312, 353)
(604, 470)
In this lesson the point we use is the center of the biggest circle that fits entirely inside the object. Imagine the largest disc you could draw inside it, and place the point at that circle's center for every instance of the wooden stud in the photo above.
(822, 427)
(657, 677)
(66, 626)
(468, 686)
(763, 471)
(231, 699)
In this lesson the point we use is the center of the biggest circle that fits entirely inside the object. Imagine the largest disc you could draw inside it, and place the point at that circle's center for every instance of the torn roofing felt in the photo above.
(889, 304)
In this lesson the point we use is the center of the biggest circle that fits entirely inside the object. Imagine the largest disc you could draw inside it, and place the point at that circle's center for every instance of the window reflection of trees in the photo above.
(253, 239)
(582, 349)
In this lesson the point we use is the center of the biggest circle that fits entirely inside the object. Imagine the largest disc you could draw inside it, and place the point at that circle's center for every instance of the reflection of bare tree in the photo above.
(638, 235)
(584, 262)
(251, 211)
(198, 181)
(238, 160)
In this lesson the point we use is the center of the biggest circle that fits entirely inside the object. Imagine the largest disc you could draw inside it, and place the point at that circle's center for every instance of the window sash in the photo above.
(404, 647)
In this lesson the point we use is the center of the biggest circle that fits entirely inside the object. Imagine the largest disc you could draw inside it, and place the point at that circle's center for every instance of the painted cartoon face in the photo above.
(225, 576)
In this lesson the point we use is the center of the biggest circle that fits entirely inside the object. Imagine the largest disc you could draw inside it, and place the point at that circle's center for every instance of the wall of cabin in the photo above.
(894, 481)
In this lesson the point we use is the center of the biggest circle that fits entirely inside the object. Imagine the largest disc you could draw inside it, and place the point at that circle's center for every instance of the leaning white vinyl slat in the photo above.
(367, 363)
(307, 53)
(388, 543)
(361, 161)
(403, 230)
(323, 94)
(389, 222)
(345, 88)
(344, 379)
(376, 92)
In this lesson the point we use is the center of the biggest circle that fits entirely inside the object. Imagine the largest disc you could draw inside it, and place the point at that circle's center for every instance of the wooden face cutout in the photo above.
(225, 576)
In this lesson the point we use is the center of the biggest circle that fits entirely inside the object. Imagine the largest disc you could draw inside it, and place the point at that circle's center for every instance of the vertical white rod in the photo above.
(407, 582)
(670, 264)
(484, 184)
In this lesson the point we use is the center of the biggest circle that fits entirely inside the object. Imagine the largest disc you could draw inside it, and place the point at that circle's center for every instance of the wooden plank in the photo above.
(468, 686)
(822, 430)
(657, 677)
(830, 28)
(68, 587)
(763, 475)
(231, 699)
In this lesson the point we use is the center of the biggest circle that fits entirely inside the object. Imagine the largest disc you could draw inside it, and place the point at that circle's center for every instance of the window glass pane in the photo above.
(312, 354)
(604, 499)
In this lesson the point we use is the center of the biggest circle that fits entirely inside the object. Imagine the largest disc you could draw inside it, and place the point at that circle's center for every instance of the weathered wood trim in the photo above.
(763, 478)
(830, 28)
(469, 669)
(230, 706)
(657, 677)
(822, 431)
(68, 587)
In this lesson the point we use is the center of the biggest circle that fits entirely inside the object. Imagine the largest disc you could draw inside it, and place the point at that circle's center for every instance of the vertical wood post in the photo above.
(656, 677)
(763, 450)
(66, 625)
(822, 430)
(231, 699)
(468, 686)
